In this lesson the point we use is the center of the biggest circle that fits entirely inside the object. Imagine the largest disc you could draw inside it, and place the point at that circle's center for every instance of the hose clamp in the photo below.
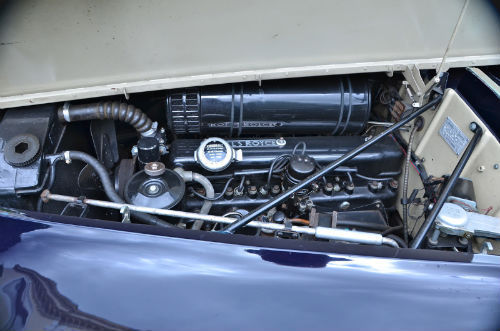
(65, 112)
(152, 131)
(67, 158)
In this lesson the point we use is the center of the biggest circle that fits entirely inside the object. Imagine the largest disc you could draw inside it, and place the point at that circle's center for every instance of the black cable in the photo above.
(304, 147)
(220, 195)
(273, 164)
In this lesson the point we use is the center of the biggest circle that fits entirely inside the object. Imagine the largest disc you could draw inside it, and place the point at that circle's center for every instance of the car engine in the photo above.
(320, 158)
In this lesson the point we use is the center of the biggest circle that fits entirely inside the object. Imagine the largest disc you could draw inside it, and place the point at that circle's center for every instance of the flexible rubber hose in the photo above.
(400, 241)
(107, 110)
(109, 187)
(405, 184)
(190, 176)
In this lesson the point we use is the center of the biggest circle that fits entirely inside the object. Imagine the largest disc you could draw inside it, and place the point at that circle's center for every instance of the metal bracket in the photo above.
(486, 247)
(125, 211)
(416, 89)
(77, 208)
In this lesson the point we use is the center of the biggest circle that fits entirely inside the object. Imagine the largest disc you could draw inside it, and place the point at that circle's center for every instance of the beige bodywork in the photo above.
(58, 50)
(440, 159)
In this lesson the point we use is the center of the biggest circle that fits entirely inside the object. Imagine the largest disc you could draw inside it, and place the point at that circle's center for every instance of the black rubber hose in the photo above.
(110, 190)
(107, 110)
(392, 229)
(400, 241)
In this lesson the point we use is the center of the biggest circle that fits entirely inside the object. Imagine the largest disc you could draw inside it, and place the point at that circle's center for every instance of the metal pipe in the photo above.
(319, 232)
(429, 221)
(332, 166)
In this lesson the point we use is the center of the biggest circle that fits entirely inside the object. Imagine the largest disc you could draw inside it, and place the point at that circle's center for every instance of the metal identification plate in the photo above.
(454, 137)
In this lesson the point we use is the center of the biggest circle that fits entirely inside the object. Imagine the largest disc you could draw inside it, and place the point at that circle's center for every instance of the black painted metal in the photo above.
(334, 105)
(426, 226)
(332, 166)
(381, 160)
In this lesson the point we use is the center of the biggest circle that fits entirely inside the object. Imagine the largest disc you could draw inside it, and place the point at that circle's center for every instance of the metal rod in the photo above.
(332, 166)
(429, 221)
(46, 196)
(319, 232)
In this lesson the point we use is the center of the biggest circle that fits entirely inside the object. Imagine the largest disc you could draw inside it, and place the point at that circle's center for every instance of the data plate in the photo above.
(454, 137)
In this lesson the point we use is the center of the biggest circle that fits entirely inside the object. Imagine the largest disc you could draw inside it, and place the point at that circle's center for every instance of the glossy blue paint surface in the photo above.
(67, 277)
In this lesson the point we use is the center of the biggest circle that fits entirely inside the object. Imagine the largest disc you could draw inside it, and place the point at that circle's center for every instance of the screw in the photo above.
(275, 189)
(473, 126)
(153, 189)
(281, 142)
(302, 206)
(328, 188)
(345, 205)
(349, 188)
(252, 191)
(481, 168)
(496, 166)
(393, 185)
(229, 192)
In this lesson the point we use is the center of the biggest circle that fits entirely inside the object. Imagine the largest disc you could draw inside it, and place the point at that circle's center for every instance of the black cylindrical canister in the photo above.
(319, 105)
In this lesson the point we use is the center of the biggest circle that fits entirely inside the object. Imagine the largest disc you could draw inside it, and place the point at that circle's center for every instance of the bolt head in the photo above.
(345, 205)
(153, 189)
(496, 166)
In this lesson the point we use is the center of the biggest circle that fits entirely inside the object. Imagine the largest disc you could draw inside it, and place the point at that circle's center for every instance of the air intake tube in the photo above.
(109, 110)
(335, 105)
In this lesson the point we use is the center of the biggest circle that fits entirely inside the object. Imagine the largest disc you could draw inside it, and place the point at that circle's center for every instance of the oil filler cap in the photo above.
(22, 150)
(216, 154)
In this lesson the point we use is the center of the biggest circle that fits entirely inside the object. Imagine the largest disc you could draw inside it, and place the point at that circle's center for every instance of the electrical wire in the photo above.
(282, 167)
(405, 183)
(304, 147)
(217, 197)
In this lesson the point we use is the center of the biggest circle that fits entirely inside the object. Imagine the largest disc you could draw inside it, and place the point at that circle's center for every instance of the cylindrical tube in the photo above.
(190, 176)
(334, 105)
(108, 110)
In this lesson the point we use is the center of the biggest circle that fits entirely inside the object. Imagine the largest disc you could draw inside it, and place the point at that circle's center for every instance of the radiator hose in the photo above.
(190, 176)
(108, 110)
(109, 187)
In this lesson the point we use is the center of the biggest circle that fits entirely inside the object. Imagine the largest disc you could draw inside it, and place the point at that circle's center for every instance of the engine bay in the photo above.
(334, 158)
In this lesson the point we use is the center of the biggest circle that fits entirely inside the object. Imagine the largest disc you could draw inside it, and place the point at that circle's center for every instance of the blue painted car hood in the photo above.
(57, 276)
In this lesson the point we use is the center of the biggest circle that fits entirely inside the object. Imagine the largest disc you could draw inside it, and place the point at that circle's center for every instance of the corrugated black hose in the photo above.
(107, 110)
